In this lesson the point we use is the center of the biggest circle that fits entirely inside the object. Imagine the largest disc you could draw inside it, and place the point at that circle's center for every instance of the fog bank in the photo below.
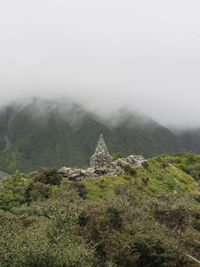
(142, 55)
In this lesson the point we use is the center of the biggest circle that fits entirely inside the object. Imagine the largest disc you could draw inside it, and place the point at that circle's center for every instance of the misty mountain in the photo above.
(189, 139)
(55, 134)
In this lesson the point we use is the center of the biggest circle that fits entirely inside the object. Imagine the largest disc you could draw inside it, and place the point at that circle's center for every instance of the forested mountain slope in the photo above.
(54, 134)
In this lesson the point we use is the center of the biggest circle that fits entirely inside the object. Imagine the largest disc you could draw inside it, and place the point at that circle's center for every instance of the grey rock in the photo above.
(64, 171)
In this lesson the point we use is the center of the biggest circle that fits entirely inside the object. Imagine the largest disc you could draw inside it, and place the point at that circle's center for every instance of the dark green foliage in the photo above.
(174, 212)
(116, 233)
(130, 170)
(187, 161)
(12, 191)
(145, 180)
(131, 236)
(80, 188)
(118, 155)
(20, 188)
(37, 191)
(48, 176)
(145, 164)
(194, 171)
(114, 218)
(58, 224)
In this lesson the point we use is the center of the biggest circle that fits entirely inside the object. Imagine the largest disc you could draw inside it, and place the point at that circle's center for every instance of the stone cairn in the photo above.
(101, 164)
(101, 159)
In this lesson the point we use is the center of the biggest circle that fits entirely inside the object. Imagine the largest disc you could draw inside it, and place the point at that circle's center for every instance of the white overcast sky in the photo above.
(142, 54)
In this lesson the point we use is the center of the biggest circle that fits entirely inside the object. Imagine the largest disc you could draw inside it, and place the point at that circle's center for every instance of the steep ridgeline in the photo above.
(53, 134)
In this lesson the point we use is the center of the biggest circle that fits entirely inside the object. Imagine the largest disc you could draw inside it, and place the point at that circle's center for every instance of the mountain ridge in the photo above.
(59, 133)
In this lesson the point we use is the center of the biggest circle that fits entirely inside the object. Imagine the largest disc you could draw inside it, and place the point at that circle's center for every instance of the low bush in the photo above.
(118, 155)
(37, 191)
(48, 176)
(130, 170)
(80, 188)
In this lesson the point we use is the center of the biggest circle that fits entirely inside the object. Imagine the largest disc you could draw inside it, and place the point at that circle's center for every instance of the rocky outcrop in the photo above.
(75, 174)
(116, 168)
(131, 160)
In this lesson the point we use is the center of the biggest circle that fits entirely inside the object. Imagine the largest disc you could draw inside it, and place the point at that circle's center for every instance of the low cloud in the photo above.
(143, 56)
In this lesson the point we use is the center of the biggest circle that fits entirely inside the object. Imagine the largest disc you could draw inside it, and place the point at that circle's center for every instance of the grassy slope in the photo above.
(160, 176)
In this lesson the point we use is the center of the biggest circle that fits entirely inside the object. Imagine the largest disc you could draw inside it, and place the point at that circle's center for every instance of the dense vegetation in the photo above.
(44, 134)
(150, 216)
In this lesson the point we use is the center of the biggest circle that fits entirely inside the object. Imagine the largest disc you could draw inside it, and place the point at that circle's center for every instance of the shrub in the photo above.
(37, 191)
(80, 188)
(121, 189)
(164, 164)
(128, 235)
(194, 171)
(41, 246)
(118, 155)
(129, 170)
(145, 180)
(47, 176)
(10, 199)
(114, 218)
(145, 164)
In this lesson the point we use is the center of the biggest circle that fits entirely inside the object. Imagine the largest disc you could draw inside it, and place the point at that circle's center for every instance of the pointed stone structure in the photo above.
(101, 159)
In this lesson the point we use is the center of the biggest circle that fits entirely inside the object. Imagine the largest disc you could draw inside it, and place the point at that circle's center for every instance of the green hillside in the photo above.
(149, 216)
(164, 174)
(54, 134)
